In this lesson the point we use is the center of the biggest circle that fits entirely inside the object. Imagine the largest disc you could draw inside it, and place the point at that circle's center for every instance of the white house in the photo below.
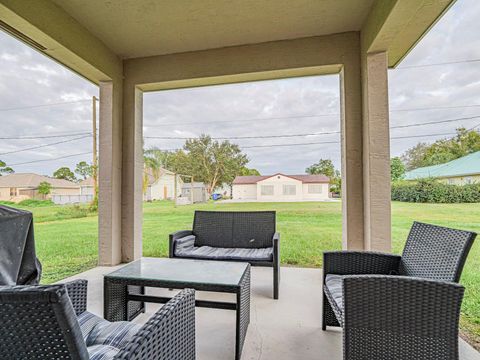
(281, 187)
(163, 188)
(86, 186)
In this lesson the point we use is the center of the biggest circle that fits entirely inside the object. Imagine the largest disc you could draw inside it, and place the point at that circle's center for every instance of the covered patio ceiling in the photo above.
(133, 46)
(140, 28)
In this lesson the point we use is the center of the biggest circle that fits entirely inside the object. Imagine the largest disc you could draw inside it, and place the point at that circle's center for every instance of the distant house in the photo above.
(199, 191)
(25, 185)
(281, 187)
(87, 186)
(225, 190)
(464, 170)
(162, 188)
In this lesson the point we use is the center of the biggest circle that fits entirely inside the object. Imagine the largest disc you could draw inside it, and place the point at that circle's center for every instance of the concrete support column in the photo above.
(376, 153)
(352, 172)
(132, 174)
(109, 175)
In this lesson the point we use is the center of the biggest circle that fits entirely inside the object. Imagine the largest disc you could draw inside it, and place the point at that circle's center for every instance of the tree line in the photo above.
(464, 142)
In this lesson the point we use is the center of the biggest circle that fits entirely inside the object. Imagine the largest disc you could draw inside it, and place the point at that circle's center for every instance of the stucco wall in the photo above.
(321, 196)
(87, 190)
(278, 181)
(460, 180)
(65, 191)
(157, 191)
(242, 192)
(5, 194)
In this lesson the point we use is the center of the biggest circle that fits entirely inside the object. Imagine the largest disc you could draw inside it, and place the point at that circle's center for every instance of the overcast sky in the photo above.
(294, 106)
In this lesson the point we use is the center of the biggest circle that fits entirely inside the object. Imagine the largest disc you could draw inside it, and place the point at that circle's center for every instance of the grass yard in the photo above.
(68, 246)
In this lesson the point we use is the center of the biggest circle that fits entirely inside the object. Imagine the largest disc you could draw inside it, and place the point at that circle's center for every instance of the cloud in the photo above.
(250, 109)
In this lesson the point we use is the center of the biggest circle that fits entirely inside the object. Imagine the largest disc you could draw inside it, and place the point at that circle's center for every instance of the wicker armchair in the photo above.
(248, 236)
(51, 322)
(399, 307)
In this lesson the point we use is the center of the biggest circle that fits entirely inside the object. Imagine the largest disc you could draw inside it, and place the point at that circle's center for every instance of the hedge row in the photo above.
(432, 191)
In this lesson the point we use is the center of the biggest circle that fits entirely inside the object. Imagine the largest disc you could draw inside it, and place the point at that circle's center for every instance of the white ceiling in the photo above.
(138, 28)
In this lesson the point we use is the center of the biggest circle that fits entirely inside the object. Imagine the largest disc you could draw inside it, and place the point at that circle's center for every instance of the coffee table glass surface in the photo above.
(183, 271)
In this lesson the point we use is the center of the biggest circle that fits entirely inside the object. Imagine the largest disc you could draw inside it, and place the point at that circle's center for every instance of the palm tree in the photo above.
(151, 168)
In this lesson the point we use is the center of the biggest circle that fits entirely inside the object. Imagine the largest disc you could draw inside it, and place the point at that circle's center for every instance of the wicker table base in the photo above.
(124, 298)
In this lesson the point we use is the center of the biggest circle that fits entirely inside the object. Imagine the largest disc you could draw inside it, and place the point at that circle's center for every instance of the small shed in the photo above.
(199, 191)
(162, 188)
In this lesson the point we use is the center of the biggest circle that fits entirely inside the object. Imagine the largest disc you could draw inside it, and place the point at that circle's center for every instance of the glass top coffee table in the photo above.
(124, 289)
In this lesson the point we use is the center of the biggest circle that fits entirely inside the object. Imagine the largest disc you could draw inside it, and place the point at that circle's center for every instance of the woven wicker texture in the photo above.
(220, 228)
(393, 317)
(116, 293)
(168, 335)
(77, 292)
(234, 229)
(409, 317)
(435, 252)
(38, 322)
(243, 315)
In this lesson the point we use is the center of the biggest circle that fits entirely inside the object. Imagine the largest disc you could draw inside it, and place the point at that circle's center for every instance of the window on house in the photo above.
(451, 181)
(289, 190)
(314, 188)
(468, 180)
(266, 190)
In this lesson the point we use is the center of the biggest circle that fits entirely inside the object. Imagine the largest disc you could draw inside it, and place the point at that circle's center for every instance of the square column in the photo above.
(376, 153)
(132, 174)
(351, 147)
(109, 173)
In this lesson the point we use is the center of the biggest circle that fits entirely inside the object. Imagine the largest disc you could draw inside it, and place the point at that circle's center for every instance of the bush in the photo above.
(432, 191)
(7, 203)
(36, 203)
(72, 212)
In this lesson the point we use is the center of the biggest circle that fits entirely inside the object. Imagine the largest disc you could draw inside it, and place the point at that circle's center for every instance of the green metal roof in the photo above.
(464, 166)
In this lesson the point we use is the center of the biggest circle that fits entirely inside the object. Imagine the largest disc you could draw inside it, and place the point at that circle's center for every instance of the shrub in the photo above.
(7, 203)
(72, 212)
(36, 203)
(432, 191)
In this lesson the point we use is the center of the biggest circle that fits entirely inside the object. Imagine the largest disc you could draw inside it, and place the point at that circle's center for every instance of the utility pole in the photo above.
(94, 160)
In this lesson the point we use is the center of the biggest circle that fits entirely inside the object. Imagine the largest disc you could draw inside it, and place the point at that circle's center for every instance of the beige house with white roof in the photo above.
(25, 185)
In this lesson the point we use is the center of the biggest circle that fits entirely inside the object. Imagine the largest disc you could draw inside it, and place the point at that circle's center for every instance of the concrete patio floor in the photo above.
(289, 328)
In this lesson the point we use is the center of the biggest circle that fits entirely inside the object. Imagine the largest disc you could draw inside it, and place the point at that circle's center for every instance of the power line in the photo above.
(44, 145)
(328, 142)
(440, 64)
(435, 122)
(58, 158)
(43, 105)
(245, 120)
(307, 134)
(245, 137)
(29, 137)
(436, 108)
(305, 116)
(297, 144)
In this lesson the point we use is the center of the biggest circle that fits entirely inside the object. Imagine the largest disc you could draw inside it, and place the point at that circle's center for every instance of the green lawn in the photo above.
(68, 246)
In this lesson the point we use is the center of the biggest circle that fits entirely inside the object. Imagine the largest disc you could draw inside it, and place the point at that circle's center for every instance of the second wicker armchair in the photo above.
(399, 307)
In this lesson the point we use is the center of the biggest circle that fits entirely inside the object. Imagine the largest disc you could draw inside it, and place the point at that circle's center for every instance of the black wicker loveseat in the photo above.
(232, 236)
(51, 322)
(399, 307)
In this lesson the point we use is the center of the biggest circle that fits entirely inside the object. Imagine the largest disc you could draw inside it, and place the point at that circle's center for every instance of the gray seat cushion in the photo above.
(103, 338)
(208, 252)
(334, 286)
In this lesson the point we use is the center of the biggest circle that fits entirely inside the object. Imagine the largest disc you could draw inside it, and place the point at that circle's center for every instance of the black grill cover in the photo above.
(18, 263)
